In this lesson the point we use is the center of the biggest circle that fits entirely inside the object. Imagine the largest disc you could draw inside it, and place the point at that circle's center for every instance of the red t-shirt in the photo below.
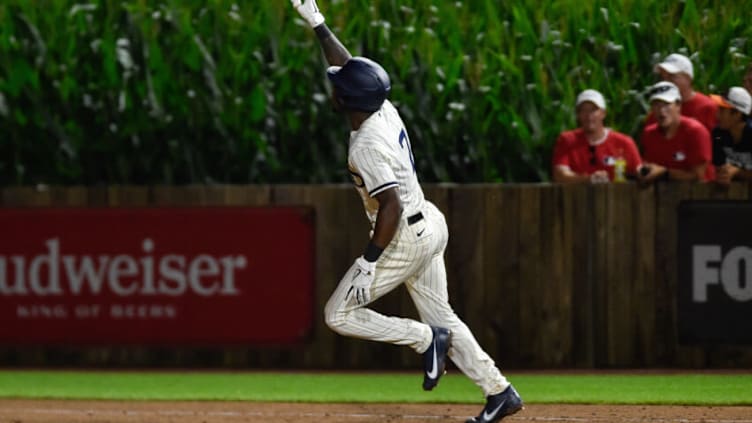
(689, 147)
(572, 149)
(701, 107)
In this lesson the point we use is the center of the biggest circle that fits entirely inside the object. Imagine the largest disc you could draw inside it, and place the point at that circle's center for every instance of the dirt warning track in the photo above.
(55, 411)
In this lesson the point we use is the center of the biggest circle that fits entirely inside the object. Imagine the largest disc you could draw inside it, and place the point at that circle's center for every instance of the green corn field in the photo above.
(219, 91)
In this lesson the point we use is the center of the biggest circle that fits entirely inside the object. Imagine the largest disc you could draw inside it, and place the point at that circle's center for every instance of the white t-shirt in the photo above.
(380, 158)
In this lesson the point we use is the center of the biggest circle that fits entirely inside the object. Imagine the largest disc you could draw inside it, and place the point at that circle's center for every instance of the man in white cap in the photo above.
(678, 69)
(675, 147)
(593, 152)
(732, 138)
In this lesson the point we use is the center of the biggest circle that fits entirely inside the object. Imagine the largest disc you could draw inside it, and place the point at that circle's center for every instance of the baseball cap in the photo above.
(736, 98)
(592, 96)
(664, 91)
(676, 63)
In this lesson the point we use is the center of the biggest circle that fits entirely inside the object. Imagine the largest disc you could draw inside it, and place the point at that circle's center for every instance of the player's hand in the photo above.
(725, 173)
(309, 11)
(362, 278)
(653, 172)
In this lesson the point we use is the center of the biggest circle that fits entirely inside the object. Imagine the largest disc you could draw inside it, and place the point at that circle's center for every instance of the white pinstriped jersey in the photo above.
(380, 157)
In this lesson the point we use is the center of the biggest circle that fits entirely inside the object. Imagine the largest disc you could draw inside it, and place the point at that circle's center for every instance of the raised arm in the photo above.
(334, 51)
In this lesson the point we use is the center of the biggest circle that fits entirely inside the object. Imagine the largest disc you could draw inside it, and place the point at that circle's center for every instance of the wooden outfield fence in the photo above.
(546, 276)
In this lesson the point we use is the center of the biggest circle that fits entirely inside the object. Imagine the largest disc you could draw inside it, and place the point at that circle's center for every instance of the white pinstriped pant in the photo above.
(415, 257)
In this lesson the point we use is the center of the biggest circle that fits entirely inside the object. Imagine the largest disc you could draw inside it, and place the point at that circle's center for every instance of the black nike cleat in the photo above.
(434, 359)
(499, 406)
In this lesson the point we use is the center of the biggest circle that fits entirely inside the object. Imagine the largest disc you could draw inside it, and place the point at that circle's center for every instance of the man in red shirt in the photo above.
(678, 69)
(675, 147)
(592, 152)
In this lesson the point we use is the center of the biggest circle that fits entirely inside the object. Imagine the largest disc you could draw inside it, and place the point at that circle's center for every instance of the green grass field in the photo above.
(668, 389)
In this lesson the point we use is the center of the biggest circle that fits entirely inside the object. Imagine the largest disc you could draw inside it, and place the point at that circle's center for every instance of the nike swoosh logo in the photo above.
(489, 417)
(421, 232)
(435, 370)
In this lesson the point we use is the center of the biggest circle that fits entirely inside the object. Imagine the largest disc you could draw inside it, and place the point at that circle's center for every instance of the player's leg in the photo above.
(408, 254)
(347, 318)
(429, 293)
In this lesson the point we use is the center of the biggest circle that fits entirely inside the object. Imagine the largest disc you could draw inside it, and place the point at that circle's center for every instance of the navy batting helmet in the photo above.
(361, 84)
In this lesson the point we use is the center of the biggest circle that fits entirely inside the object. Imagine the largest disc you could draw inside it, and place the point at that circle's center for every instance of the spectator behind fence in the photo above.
(676, 147)
(592, 152)
(678, 69)
(732, 138)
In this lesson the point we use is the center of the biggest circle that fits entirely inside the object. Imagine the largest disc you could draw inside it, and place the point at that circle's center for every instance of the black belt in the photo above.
(415, 218)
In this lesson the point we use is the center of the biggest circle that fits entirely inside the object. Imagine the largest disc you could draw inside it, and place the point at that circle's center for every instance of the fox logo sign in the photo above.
(732, 271)
(714, 272)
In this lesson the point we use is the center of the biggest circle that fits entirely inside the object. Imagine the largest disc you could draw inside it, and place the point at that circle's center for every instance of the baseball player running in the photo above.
(409, 234)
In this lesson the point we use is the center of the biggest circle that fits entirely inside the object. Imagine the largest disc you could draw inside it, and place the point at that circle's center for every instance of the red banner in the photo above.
(224, 275)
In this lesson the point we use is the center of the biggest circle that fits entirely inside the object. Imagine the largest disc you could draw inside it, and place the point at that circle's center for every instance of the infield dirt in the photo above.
(55, 411)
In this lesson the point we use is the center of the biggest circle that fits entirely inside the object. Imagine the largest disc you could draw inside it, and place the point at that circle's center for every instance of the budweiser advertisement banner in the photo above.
(166, 276)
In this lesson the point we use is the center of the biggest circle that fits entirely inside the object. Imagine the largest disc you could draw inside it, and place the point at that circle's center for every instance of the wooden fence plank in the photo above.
(644, 253)
(247, 195)
(190, 195)
(237, 195)
(555, 294)
(97, 196)
(129, 196)
(465, 265)
(27, 196)
(579, 229)
(76, 196)
(669, 197)
(215, 195)
(619, 278)
(501, 275)
(531, 311)
(600, 274)
(507, 326)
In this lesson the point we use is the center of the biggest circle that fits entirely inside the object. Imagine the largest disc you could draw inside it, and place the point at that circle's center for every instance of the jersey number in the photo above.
(403, 139)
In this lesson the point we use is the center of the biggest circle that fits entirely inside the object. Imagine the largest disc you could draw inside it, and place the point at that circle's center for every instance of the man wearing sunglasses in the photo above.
(592, 152)
(678, 69)
(675, 147)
